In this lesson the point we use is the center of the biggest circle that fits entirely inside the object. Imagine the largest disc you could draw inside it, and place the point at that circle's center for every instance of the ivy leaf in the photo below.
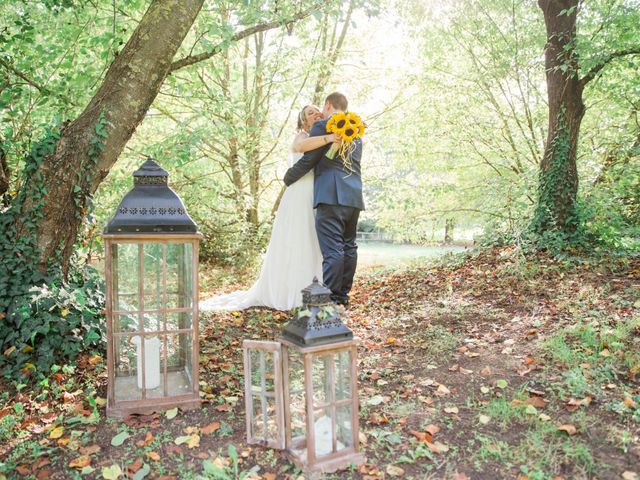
(143, 472)
(112, 473)
(171, 414)
(119, 439)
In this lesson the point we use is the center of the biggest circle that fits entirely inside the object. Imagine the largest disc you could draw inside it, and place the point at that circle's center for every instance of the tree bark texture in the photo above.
(128, 89)
(558, 183)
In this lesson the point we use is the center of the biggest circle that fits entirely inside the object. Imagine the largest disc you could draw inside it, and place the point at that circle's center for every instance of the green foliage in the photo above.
(556, 189)
(51, 322)
(45, 317)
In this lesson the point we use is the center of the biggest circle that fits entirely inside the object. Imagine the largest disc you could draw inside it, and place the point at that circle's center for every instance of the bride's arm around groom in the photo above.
(311, 158)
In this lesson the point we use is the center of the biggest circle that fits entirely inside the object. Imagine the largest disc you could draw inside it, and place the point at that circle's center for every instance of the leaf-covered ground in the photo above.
(490, 367)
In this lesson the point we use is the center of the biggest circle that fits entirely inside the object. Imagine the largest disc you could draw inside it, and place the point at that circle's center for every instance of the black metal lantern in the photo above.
(151, 206)
(151, 270)
(318, 322)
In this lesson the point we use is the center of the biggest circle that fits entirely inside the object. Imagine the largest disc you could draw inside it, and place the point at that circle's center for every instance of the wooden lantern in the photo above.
(302, 396)
(151, 270)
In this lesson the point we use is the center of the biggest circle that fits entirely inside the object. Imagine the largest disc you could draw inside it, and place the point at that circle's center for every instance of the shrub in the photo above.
(51, 323)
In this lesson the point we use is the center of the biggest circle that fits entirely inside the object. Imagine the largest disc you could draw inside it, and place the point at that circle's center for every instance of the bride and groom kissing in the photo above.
(305, 244)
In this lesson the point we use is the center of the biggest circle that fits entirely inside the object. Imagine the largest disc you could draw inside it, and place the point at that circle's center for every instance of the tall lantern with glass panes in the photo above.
(151, 273)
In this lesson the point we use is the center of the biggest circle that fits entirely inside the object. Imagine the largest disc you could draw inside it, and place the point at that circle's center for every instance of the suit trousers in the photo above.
(336, 226)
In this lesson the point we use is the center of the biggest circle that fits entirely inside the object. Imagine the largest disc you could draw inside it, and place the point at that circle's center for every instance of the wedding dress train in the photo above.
(292, 259)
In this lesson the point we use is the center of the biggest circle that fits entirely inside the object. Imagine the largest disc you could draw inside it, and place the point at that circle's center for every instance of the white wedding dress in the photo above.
(293, 256)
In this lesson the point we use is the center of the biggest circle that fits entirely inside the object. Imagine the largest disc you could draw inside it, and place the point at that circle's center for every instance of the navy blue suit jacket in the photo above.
(333, 185)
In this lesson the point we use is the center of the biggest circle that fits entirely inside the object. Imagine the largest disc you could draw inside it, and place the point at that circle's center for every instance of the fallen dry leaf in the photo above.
(484, 419)
(437, 447)
(486, 372)
(451, 410)
(460, 476)
(432, 429)
(147, 440)
(422, 436)
(80, 462)
(89, 449)
(570, 429)
(132, 468)
(629, 475)
(153, 456)
(378, 419)
(442, 390)
(573, 404)
(394, 471)
(209, 429)
(629, 402)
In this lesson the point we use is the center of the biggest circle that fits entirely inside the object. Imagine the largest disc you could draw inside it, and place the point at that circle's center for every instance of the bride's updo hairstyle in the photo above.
(302, 117)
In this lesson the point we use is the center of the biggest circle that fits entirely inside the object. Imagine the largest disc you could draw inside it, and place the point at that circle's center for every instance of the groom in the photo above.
(337, 199)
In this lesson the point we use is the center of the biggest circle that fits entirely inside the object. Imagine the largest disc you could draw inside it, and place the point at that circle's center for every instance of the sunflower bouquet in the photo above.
(348, 126)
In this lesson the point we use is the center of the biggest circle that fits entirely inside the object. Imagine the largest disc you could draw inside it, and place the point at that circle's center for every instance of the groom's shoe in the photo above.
(344, 302)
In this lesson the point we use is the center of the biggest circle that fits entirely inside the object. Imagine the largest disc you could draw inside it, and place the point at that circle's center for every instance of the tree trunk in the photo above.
(71, 174)
(5, 174)
(449, 224)
(558, 182)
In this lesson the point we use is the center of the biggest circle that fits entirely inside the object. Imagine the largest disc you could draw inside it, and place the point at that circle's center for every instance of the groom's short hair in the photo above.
(338, 101)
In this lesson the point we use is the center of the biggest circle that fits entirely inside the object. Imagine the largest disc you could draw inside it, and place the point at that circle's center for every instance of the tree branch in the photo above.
(24, 77)
(612, 56)
(191, 59)
(34, 84)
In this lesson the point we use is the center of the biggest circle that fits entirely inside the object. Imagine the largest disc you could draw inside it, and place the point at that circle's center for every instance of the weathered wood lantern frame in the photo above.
(301, 392)
(151, 272)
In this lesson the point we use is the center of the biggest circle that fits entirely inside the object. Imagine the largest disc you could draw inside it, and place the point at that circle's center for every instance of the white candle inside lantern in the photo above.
(323, 436)
(151, 362)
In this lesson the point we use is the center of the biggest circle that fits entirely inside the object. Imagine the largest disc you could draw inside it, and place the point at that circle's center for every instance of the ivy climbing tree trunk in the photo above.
(558, 183)
(89, 146)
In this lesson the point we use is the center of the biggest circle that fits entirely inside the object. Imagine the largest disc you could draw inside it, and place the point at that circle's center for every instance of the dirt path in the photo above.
(490, 368)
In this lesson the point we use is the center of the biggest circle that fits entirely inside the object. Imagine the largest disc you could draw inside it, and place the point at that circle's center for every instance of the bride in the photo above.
(293, 256)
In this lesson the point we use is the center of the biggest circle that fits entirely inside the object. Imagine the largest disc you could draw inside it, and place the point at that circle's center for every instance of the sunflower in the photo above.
(337, 123)
(349, 133)
(353, 118)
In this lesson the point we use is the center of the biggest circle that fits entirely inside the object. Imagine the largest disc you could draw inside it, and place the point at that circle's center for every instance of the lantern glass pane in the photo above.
(344, 426)
(126, 276)
(152, 278)
(296, 400)
(152, 322)
(126, 369)
(343, 375)
(179, 275)
(321, 373)
(179, 321)
(179, 364)
(264, 424)
(125, 323)
(323, 431)
(262, 371)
